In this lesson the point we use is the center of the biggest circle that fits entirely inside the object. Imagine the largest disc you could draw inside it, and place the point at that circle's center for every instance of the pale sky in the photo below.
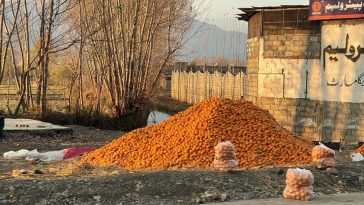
(222, 12)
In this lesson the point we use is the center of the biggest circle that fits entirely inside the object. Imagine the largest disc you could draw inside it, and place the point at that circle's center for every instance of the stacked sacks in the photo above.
(299, 185)
(323, 157)
(225, 157)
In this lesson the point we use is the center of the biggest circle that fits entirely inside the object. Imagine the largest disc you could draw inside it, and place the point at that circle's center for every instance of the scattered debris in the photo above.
(332, 171)
(210, 196)
(97, 198)
(35, 161)
(19, 173)
(38, 171)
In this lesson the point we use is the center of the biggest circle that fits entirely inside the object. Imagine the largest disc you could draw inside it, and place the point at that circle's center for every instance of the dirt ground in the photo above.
(68, 183)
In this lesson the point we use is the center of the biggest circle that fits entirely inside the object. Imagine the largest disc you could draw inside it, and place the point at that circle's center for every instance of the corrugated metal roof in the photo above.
(249, 12)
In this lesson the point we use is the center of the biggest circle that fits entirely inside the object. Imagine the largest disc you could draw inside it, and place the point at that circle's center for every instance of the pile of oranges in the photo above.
(187, 140)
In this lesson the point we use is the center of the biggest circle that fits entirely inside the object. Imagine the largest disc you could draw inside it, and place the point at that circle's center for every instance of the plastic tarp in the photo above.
(50, 156)
(357, 157)
(34, 154)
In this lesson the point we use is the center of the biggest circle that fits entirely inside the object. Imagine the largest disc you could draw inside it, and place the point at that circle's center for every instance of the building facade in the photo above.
(308, 74)
(290, 56)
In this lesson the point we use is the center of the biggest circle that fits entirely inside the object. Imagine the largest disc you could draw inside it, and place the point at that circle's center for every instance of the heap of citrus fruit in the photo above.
(187, 140)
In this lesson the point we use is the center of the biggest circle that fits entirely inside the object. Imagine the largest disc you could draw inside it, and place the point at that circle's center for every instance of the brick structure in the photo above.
(282, 46)
(253, 65)
(320, 97)
(286, 75)
(319, 120)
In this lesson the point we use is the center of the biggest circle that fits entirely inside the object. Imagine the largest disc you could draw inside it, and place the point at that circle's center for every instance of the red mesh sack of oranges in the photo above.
(299, 185)
(225, 157)
(322, 156)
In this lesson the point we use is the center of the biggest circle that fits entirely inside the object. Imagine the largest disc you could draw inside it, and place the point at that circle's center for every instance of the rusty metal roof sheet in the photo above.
(249, 12)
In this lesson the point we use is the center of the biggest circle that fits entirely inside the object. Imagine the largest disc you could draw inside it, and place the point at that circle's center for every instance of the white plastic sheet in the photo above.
(357, 157)
(21, 154)
(34, 154)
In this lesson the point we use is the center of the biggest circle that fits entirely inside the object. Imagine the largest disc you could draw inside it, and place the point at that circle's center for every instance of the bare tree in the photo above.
(134, 41)
(118, 49)
(45, 16)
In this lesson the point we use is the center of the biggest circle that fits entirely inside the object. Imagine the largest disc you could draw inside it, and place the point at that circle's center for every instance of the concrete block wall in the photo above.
(288, 76)
(288, 46)
(253, 50)
(318, 120)
(271, 85)
(297, 77)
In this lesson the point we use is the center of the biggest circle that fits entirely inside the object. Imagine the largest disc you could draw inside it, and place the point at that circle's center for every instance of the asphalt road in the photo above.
(338, 199)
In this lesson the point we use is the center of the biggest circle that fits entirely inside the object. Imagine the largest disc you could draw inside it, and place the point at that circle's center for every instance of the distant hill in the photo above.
(212, 41)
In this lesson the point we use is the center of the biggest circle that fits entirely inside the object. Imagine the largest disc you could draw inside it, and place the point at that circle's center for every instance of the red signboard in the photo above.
(336, 9)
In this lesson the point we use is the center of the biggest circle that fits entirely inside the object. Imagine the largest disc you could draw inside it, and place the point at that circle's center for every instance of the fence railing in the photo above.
(193, 87)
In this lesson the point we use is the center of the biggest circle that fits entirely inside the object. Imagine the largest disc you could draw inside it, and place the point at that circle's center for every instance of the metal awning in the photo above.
(249, 12)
